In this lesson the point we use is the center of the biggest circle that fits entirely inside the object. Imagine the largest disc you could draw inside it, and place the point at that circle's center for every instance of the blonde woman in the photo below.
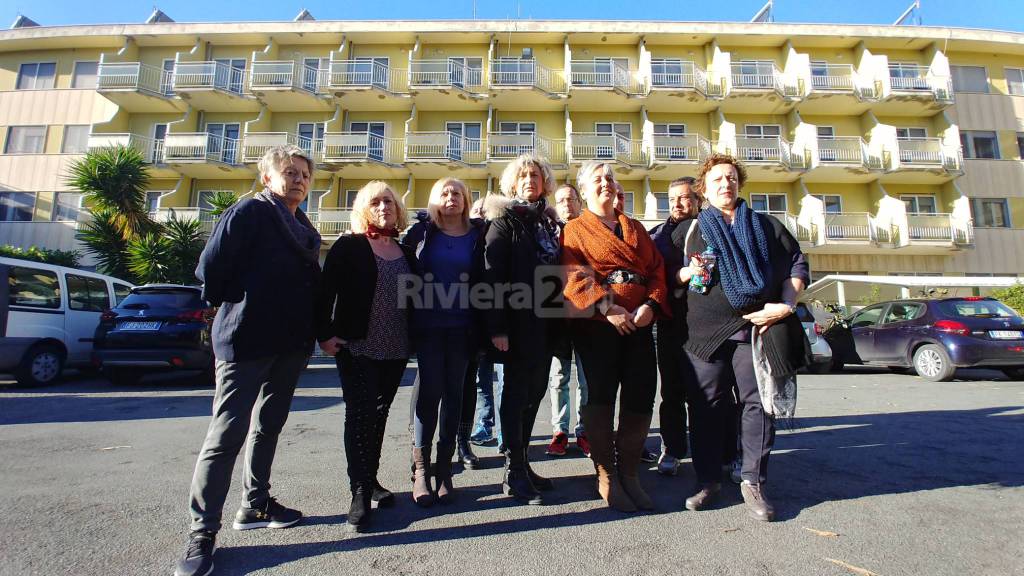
(363, 325)
(450, 252)
(523, 236)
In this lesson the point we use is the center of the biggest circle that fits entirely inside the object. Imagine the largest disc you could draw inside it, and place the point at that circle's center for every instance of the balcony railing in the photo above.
(766, 149)
(332, 222)
(205, 217)
(799, 231)
(604, 74)
(517, 72)
(367, 74)
(445, 73)
(200, 147)
(756, 76)
(918, 79)
(362, 147)
(846, 150)
(928, 153)
(931, 228)
(284, 74)
(680, 76)
(151, 150)
(848, 226)
(602, 146)
(134, 76)
(209, 76)
(508, 145)
(256, 144)
(832, 77)
(680, 148)
(444, 146)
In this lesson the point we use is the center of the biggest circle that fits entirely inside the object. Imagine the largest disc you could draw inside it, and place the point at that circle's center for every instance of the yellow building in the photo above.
(884, 149)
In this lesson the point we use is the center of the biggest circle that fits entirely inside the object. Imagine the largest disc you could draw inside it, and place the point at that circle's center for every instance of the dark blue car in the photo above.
(934, 337)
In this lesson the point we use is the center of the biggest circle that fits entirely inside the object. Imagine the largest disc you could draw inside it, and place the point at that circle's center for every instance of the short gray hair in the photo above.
(276, 157)
(522, 162)
(588, 168)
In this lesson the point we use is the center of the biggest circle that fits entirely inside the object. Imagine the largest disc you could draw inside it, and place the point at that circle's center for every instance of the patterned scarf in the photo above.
(742, 251)
(545, 229)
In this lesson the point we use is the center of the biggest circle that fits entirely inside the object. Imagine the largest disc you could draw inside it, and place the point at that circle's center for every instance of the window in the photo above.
(312, 200)
(627, 209)
(350, 198)
(990, 212)
(670, 72)
(121, 291)
(911, 133)
(907, 76)
(222, 142)
(979, 144)
(769, 203)
(517, 127)
(753, 74)
(87, 294)
(36, 76)
(84, 75)
(969, 79)
(762, 142)
(17, 206)
(903, 311)
(463, 137)
(153, 201)
(76, 139)
(867, 317)
(833, 202)
(827, 152)
(665, 148)
(623, 133)
(33, 287)
(1020, 145)
(474, 195)
(669, 129)
(204, 199)
(1015, 80)
(66, 206)
(229, 74)
(513, 71)
(919, 204)
(464, 71)
(167, 77)
(25, 140)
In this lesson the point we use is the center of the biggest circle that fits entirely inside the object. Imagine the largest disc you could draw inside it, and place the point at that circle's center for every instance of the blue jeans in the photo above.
(486, 392)
(558, 386)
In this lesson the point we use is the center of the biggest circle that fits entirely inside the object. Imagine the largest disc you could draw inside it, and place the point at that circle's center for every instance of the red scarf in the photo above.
(374, 232)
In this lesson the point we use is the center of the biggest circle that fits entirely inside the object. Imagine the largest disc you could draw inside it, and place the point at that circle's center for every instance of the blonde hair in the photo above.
(434, 203)
(361, 206)
(276, 158)
(521, 165)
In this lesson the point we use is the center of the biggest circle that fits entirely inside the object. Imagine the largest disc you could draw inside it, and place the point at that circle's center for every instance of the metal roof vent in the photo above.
(158, 17)
(304, 16)
(24, 22)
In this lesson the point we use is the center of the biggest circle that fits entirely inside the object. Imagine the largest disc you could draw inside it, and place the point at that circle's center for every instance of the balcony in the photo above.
(939, 230)
(137, 87)
(761, 76)
(205, 217)
(213, 86)
(679, 76)
(151, 150)
(444, 147)
(348, 75)
(772, 150)
(602, 146)
(526, 73)
(833, 78)
(446, 74)
(804, 233)
(204, 155)
(356, 147)
(605, 74)
(506, 146)
(332, 222)
(288, 85)
(928, 154)
(686, 148)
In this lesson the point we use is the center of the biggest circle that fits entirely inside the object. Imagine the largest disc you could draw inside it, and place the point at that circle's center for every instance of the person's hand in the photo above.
(643, 316)
(621, 319)
(332, 346)
(687, 272)
(500, 342)
(770, 314)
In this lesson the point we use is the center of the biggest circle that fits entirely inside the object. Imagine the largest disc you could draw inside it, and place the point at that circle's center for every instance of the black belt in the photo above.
(625, 277)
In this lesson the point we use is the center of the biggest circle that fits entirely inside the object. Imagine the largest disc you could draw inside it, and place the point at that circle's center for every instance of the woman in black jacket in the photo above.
(362, 323)
(747, 276)
(523, 236)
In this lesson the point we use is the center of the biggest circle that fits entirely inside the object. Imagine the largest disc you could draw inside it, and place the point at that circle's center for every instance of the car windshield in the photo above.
(976, 309)
(178, 299)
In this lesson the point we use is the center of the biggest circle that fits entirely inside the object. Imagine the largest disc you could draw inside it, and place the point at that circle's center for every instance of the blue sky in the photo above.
(992, 14)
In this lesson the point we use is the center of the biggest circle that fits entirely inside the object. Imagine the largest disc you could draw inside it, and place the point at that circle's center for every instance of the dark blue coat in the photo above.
(263, 285)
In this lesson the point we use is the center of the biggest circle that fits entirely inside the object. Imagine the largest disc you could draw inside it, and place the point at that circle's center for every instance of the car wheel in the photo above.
(820, 367)
(41, 365)
(1014, 373)
(123, 376)
(932, 363)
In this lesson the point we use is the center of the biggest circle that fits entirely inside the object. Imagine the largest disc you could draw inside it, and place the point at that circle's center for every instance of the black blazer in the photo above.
(347, 285)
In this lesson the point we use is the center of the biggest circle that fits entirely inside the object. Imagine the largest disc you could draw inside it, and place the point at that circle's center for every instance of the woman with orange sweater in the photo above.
(615, 286)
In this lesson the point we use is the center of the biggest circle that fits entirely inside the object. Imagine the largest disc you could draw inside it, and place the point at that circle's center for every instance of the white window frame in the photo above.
(153, 201)
(167, 77)
(824, 202)
(518, 127)
(915, 201)
(35, 78)
(349, 199)
(75, 74)
(74, 208)
(955, 72)
(1012, 82)
(967, 142)
(671, 67)
(627, 202)
(759, 154)
(768, 196)
(64, 139)
(10, 139)
(319, 196)
(908, 130)
(669, 129)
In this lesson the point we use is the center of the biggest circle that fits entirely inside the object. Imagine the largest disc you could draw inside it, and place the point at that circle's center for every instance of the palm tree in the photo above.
(116, 179)
(149, 258)
(103, 237)
(185, 240)
(221, 200)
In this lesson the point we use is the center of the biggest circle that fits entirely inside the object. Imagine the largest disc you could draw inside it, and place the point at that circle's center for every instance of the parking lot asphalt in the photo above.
(879, 473)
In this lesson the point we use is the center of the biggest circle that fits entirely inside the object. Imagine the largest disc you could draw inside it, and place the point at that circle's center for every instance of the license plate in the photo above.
(1006, 334)
(139, 326)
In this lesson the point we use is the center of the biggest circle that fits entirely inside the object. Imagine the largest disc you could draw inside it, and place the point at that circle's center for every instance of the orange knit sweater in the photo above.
(590, 252)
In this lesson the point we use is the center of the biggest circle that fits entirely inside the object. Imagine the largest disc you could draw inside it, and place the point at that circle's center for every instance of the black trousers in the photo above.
(611, 361)
(672, 411)
(468, 414)
(369, 387)
(713, 409)
(525, 385)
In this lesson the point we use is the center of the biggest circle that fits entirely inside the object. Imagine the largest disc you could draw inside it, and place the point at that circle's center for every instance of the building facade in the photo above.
(884, 149)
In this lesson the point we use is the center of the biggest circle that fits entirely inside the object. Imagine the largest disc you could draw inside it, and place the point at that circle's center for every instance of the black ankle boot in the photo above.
(381, 495)
(517, 480)
(360, 510)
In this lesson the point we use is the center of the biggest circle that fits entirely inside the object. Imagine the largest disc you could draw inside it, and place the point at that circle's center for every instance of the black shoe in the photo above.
(382, 496)
(273, 515)
(539, 482)
(359, 511)
(469, 460)
(198, 559)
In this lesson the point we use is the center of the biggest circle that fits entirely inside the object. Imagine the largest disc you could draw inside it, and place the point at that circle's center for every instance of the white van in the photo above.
(48, 315)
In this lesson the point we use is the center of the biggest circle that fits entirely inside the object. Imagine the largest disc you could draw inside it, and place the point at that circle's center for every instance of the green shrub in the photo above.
(46, 256)
(1012, 296)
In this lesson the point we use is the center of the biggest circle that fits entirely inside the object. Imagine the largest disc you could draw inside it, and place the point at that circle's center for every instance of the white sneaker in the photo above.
(668, 464)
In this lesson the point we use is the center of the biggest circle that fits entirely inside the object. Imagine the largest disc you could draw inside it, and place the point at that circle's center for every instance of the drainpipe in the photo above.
(408, 190)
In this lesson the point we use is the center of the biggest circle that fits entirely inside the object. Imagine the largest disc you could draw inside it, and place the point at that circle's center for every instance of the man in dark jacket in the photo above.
(683, 204)
(260, 267)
